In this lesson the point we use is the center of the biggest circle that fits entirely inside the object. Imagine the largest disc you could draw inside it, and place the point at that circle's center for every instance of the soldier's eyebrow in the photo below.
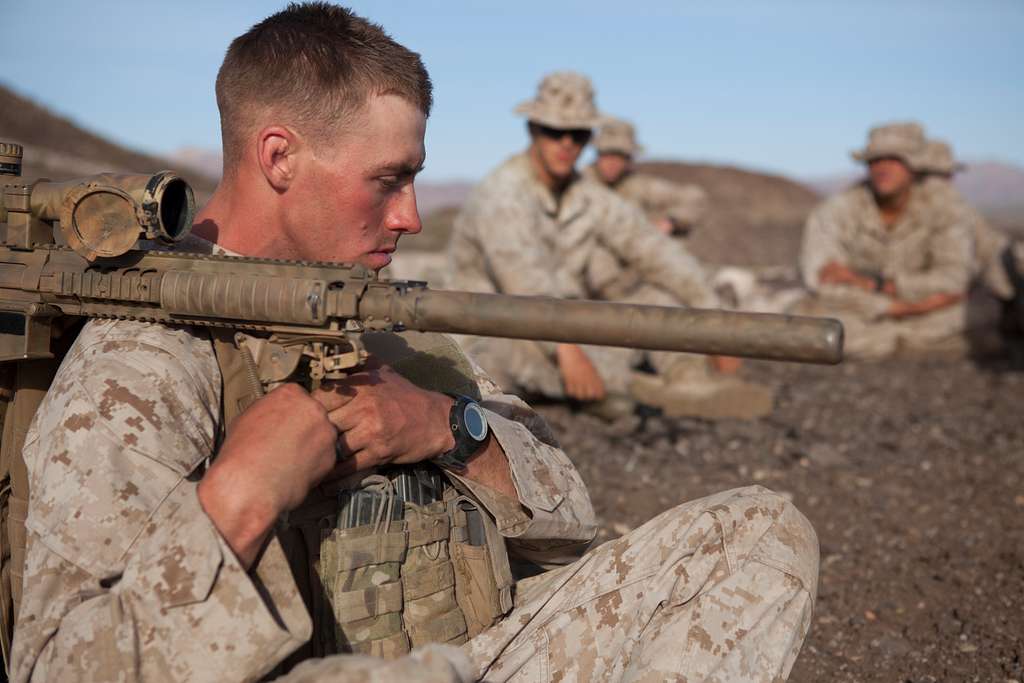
(403, 168)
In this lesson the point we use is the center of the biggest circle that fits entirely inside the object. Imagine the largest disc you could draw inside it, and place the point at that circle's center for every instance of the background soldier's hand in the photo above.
(727, 365)
(665, 225)
(838, 274)
(384, 418)
(579, 376)
(278, 449)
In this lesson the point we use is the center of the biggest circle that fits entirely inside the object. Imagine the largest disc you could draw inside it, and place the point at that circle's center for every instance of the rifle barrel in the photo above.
(657, 328)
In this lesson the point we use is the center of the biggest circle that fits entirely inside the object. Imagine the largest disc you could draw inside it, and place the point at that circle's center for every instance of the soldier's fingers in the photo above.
(333, 396)
(347, 416)
(355, 462)
(362, 436)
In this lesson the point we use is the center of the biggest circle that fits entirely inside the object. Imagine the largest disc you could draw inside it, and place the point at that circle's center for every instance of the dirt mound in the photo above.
(755, 219)
(59, 149)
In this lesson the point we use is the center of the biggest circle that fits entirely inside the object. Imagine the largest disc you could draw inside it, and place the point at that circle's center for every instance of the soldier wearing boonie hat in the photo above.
(675, 208)
(534, 226)
(888, 256)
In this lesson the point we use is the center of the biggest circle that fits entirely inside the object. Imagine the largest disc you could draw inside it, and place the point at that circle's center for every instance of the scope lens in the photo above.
(177, 209)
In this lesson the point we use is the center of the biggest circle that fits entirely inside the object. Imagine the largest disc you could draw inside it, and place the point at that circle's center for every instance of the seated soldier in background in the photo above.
(889, 256)
(997, 262)
(534, 226)
(674, 207)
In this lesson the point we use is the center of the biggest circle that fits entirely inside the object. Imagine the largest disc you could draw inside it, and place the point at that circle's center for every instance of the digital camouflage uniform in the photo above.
(685, 204)
(513, 236)
(928, 251)
(990, 245)
(127, 579)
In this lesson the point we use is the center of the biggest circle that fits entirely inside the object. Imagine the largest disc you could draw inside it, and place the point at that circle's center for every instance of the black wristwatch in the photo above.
(469, 427)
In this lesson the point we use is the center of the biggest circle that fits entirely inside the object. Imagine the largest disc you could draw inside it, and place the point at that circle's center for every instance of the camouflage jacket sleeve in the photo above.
(660, 260)
(553, 521)
(126, 578)
(503, 229)
(951, 254)
(821, 244)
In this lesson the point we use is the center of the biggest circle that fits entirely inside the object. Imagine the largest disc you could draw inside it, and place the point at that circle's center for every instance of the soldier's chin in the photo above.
(884, 192)
(376, 260)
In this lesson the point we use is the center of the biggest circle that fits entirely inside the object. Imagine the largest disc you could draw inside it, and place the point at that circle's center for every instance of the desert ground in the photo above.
(910, 470)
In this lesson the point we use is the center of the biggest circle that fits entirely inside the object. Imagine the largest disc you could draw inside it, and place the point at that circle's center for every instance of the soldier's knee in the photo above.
(790, 542)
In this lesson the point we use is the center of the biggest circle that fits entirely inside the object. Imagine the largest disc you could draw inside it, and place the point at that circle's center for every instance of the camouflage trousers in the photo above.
(717, 589)
(527, 367)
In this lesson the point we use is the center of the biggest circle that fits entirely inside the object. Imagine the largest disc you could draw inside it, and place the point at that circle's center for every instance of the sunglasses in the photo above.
(580, 136)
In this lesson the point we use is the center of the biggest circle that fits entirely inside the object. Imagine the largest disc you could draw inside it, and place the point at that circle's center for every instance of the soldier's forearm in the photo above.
(904, 309)
(490, 467)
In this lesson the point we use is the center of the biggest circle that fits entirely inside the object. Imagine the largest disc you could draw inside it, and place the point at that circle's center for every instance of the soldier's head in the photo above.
(894, 155)
(560, 120)
(324, 113)
(616, 148)
(939, 161)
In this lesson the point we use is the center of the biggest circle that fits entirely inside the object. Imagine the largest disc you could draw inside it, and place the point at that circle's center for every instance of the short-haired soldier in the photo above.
(158, 550)
(675, 208)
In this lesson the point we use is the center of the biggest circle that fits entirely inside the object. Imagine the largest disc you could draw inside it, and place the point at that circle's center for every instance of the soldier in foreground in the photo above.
(676, 209)
(534, 226)
(890, 257)
(160, 548)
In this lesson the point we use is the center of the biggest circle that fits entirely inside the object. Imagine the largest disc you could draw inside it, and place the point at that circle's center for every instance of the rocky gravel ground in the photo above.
(912, 472)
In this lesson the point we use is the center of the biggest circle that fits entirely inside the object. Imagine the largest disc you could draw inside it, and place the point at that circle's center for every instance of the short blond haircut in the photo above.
(313, 65)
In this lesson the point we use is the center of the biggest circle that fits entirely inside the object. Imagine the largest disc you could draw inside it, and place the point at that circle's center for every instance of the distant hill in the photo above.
(59, 149)
(755, 218)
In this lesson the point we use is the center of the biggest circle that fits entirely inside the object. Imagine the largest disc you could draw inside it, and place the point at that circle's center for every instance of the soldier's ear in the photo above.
(277, 155)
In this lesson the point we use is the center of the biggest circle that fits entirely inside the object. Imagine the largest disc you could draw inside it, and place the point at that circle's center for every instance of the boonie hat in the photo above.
(938, 158)
(904, 141)
(565, 100)
(617, 136)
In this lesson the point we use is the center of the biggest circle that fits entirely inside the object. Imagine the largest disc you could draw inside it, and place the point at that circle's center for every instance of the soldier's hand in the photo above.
(278, 449)
(579, 376)
(665, 225)
(838, 274)
(727, 365)
(384, 418)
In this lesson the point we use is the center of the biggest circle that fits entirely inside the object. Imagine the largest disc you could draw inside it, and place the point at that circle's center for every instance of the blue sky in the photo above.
(786, 86)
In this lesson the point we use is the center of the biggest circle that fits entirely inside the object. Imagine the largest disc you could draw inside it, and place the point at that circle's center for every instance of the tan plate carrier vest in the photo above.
(378, 589)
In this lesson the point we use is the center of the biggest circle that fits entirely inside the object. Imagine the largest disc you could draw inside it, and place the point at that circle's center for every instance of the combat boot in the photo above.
(711, 397)
(612, 408)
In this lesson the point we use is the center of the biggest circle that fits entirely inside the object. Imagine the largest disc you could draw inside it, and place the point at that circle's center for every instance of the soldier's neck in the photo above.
(237, 219)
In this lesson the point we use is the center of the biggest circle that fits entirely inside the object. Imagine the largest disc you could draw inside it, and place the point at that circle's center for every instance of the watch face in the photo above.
(476, 423)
